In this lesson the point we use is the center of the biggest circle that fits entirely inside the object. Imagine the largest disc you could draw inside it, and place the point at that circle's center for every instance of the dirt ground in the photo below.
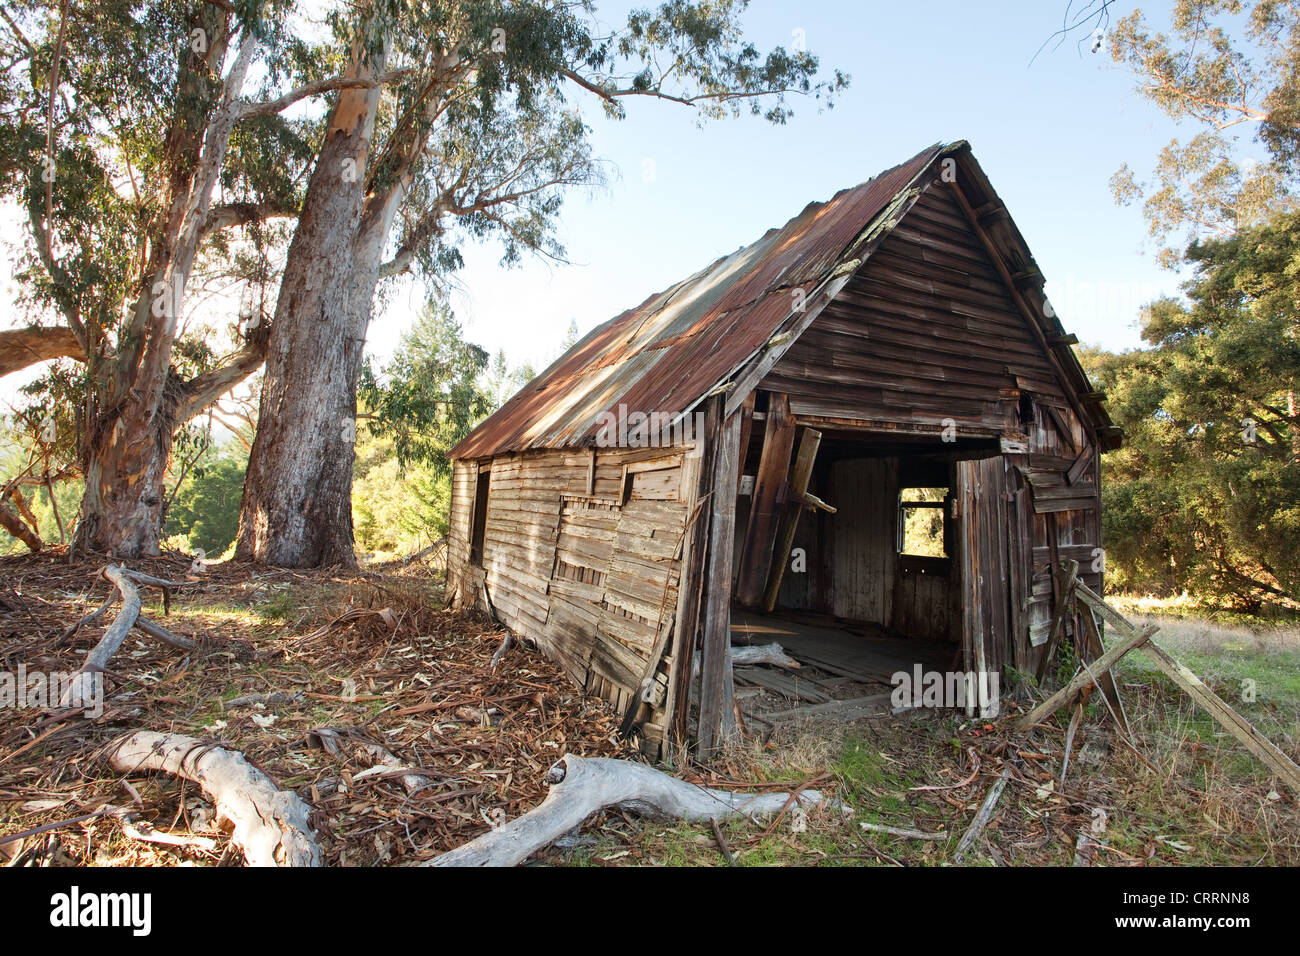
(338, 665)
(356, 660)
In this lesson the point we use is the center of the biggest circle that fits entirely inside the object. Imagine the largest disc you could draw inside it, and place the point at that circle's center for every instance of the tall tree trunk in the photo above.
(297, 506)
(140, 401)
(122, 508)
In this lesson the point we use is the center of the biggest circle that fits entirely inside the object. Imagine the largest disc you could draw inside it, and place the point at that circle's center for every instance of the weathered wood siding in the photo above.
(464, 476)
(985, 561)
(926, 331)
(581, 555)
(1033, 510)
(925, 599)
(863, 550)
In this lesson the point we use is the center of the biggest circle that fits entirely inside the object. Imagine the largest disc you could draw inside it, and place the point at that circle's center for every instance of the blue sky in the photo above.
(1048, 135)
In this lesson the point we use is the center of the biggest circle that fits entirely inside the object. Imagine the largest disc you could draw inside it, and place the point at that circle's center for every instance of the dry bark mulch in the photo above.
(339, 665)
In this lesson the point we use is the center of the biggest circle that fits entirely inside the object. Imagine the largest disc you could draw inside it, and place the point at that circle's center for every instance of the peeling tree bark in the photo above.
(20, 348)
(297, 504)
(580, 786)
(270, 825)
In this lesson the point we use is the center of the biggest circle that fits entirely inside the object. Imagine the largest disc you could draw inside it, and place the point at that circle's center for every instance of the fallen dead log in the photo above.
(81, 688)
(581, 786)
(270, 825)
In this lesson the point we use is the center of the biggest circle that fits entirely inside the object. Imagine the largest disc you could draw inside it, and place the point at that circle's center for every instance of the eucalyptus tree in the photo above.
(464, 123)
(128, 145)
(1229, 72)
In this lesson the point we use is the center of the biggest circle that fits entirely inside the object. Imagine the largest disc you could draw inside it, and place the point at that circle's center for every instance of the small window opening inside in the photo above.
(922, 515)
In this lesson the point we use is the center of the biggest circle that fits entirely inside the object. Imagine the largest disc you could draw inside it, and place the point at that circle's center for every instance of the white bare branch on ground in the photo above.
(270, 825)
(581, 786)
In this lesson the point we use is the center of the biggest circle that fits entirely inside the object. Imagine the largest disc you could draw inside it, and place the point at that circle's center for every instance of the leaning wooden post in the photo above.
(773, 471)
(803, 468)
(1228, 719)
(1063, 595)
(1231, 721)
(1086, 676)
(717, 695)
(694, 574)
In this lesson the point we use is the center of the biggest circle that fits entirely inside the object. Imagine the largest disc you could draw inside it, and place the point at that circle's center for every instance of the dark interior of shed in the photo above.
(865, 590)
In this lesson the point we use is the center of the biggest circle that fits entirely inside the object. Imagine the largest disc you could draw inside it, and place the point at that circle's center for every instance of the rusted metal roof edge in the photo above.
(474, 445)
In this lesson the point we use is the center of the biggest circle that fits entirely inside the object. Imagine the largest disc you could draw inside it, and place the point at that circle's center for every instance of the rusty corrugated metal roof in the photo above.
(668, 352)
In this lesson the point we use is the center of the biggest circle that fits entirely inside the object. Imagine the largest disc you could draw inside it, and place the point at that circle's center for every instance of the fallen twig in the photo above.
(982, 817)
(145, 833)
(722, 843)
(905, 834)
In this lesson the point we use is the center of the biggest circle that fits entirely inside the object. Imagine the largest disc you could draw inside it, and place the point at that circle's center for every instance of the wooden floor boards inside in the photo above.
(846, 668)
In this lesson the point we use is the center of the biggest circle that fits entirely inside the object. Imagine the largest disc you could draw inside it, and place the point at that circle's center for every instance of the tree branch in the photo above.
(20, 348)
(613, 95)
(204, 389)
(316, 88)
(243, 213)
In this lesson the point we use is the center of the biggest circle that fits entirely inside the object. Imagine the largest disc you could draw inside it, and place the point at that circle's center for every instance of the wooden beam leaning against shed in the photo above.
(803, 467)
(773, 472)
(691, 583)
(746, 428)
(717, 720)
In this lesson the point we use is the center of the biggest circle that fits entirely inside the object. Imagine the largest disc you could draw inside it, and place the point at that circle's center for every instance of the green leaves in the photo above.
(429, 396)
(1205, 493)
(1231, 70)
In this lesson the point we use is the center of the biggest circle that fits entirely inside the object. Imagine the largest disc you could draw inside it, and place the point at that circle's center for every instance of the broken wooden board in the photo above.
(779, 682)
(849, 709)
(803, 468)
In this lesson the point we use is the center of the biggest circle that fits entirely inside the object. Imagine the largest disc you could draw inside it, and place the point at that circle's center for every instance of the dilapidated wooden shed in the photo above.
(865, 437)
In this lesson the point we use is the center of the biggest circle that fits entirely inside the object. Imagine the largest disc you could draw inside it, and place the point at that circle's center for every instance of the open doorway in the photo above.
(871, 584)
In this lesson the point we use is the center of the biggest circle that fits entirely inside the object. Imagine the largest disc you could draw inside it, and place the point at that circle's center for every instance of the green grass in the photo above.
(1198, 799)
(278, 608)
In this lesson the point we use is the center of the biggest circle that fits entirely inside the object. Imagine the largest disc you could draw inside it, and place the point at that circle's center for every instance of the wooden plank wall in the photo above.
(863, 553)
(924, 602)
(982, 487)
(1053, 506)
(926, 331)
(592, 579)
